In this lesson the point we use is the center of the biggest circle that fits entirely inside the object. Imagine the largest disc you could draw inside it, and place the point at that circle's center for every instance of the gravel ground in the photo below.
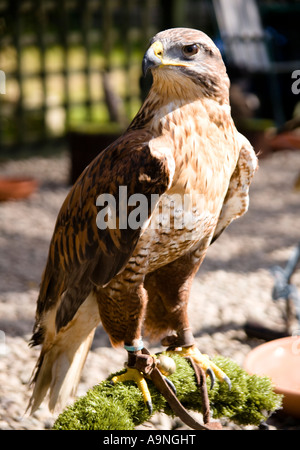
(234, 284)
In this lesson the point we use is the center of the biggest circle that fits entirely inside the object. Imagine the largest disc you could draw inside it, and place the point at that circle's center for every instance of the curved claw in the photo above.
(169, 382)
(227, 381)
(212, 377)
(149, 406)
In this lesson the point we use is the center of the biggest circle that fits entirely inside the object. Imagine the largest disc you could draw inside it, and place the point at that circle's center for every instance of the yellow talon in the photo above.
(205, 363)
(136, 376)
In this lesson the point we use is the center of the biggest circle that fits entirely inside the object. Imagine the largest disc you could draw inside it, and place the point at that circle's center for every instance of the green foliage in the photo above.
(120, 407)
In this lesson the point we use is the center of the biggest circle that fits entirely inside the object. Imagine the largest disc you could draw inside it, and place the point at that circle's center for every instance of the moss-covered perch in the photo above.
(120, 407)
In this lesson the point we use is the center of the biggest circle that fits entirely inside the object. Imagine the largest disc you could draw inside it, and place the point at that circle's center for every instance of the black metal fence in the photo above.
(67, 62)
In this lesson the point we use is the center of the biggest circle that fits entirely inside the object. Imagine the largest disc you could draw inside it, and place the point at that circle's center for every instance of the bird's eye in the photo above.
(190, 50)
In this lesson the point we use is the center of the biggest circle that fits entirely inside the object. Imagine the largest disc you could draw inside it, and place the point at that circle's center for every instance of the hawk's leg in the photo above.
(138, 366)
(122, 313)
(168, 290)
(183, 343)
(125, 328)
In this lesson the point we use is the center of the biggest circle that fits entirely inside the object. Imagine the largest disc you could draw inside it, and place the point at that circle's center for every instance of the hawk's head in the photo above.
(179, 55)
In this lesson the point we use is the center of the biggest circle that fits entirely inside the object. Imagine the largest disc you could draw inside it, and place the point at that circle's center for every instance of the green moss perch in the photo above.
(251, 400)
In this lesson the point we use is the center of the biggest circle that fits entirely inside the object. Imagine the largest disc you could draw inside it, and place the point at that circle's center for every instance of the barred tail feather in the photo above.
(63, 356)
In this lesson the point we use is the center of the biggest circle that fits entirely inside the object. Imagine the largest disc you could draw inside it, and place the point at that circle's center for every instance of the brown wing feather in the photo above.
(80, 254)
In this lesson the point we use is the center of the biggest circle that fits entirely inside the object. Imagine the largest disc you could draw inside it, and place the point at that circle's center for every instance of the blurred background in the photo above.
(73, 66)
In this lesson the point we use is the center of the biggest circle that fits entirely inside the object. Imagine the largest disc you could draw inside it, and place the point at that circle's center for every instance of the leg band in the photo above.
(137, 345)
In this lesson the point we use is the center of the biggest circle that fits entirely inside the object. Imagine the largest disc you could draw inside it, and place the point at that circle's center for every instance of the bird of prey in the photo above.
(130, 267)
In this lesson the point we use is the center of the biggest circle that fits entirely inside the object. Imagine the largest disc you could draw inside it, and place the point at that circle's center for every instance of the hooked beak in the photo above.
(153, 57)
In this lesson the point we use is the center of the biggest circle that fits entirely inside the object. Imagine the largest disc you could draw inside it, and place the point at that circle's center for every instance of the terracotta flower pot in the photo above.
(280, 361)
(16, 188)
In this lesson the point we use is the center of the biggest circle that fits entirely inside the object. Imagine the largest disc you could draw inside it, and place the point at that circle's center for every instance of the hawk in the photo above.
(177, 176)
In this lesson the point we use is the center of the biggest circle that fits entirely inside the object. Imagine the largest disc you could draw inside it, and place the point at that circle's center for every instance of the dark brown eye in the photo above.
(190, 50)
